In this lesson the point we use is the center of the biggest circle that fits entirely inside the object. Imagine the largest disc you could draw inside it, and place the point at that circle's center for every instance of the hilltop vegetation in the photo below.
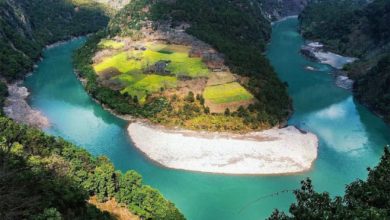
(163, 73)
(362, 200)
(43, 177)
(356, 28)
(26, 26)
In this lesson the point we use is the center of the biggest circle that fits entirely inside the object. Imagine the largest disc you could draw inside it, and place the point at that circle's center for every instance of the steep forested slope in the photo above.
(26, 26)
(43, 177)
(373, 88)
(356, 28)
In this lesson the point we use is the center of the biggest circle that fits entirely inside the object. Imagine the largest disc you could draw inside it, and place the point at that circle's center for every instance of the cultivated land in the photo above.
(111, 44)
(144, 68)
(226, 93)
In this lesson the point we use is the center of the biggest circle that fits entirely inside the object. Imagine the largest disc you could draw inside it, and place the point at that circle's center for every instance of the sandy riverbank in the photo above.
(274, 151)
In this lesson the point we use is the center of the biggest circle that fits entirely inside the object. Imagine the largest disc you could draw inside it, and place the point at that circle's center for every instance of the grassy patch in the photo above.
(225, 93)
(124, 62)
(141, 84)
(105, 43)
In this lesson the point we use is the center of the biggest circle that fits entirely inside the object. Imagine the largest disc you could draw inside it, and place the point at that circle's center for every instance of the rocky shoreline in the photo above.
(17, 108)
(316, 52)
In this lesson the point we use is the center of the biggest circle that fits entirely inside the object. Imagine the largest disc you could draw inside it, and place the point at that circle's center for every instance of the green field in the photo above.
(226, 93)
(141, 84)
(137, 61)
(132, 65)
(105, 43)
(124, 62)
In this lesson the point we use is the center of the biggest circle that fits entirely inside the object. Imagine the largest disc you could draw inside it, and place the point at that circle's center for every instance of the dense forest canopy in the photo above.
(356, 28)
(368, 199)
(26, 26)
(374, 87)
(43, 176)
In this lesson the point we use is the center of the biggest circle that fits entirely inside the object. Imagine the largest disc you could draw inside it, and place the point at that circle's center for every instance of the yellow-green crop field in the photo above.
(137, 61)
(123, 62)
(226, 93)
(142, 84)
(132, 64)
(105, 43)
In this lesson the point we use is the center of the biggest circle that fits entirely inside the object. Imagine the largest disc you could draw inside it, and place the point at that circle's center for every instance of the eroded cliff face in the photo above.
(277, 9)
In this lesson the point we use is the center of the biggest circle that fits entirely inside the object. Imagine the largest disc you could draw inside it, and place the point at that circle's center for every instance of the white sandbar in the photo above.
(274, 151)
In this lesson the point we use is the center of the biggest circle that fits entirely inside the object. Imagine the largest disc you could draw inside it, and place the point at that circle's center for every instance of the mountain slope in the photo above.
(355, 28)
(26, 26)
(43, 177)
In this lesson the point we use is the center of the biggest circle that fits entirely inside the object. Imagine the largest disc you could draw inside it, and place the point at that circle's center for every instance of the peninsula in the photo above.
(182, 72)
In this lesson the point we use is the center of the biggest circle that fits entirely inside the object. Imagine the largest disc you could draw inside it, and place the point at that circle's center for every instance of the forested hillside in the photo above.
(357, 28)
(26, 26)
(43, 177)
(362, 200)
(237, 29)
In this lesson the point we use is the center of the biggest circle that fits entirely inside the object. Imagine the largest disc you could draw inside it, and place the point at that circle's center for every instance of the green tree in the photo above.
(368, 199)
(129, 183)
(190, 97)
(227, 112)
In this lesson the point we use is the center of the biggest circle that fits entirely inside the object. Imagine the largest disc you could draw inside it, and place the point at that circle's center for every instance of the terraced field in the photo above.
(226, 93)
(141, 85)
(148, 68)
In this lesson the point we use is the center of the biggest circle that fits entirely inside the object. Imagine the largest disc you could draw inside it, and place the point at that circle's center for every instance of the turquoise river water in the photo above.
(351, 138)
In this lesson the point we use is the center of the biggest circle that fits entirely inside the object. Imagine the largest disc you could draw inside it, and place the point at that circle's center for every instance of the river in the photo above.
(351, 138)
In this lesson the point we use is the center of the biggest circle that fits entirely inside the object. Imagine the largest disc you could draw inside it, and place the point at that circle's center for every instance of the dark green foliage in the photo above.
(335, 23)
(358, 28)
(44, 176)
(27, 25)
(207, 110)
(363, 199)
(3, 94)
(374, 88)
(378, 16)
(227, 112)
(190, 97)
